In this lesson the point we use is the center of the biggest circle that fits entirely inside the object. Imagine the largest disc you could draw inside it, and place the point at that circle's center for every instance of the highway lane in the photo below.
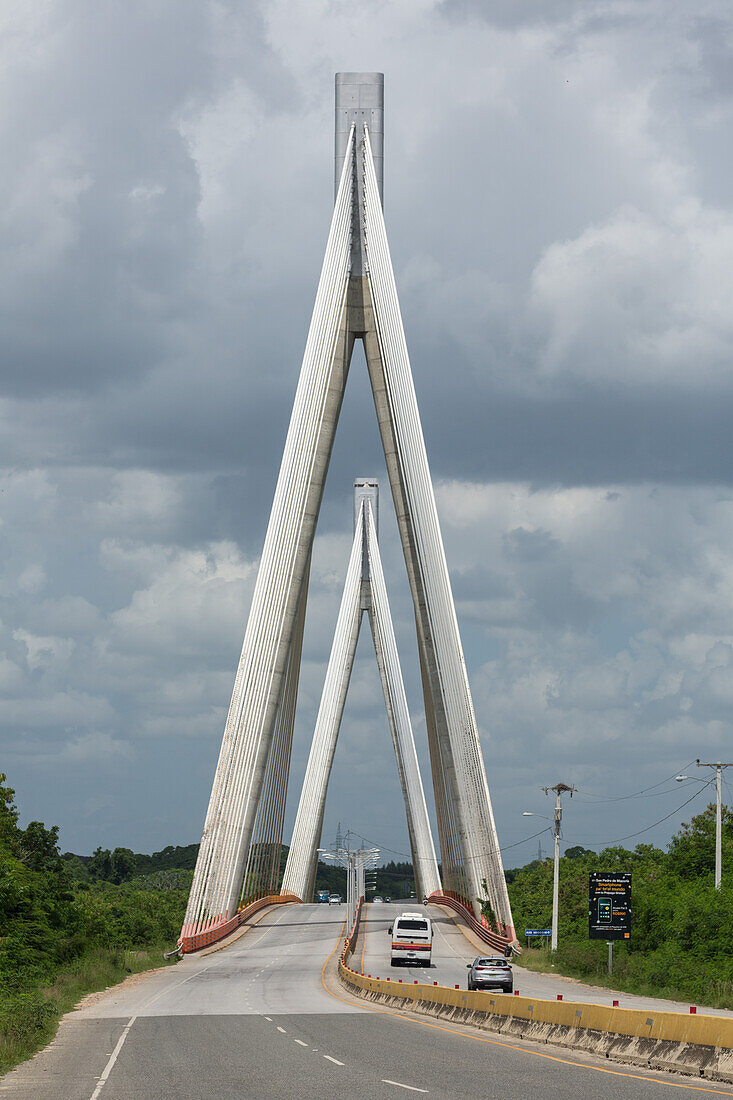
(453, 947)
(266, 1018)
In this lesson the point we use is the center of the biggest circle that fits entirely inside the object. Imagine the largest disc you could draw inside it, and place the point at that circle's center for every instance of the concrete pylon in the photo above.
(365, 592)
(356, 298)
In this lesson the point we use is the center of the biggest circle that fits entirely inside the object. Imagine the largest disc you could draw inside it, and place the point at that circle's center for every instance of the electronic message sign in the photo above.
(609, 905)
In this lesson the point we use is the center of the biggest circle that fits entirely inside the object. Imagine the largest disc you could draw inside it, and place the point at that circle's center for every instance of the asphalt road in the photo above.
(453, 948)
(266, 1018)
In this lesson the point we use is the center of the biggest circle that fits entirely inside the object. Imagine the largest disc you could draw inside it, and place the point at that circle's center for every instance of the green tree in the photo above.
(693, 847)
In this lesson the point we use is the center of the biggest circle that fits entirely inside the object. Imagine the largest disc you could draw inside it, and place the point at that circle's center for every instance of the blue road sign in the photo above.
(538, 931)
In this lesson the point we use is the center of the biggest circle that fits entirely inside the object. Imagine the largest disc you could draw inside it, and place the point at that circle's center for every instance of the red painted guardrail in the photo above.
(496, 940)
(219, 931)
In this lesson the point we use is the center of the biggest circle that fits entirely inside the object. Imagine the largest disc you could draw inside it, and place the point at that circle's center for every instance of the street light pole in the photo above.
(718, 816)
(354, 860)
(559, 790)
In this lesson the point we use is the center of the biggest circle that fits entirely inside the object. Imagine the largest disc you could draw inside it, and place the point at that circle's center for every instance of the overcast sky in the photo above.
(558, 201)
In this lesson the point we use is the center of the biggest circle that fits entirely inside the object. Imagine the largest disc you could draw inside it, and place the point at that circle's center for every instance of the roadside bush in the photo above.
(63, 933)
(681, 928)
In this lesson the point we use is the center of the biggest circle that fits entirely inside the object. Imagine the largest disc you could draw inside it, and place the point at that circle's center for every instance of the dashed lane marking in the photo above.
(334, 1060)
(126, 1030)
(282, 1029)
(412, 1088)
(512, 1046)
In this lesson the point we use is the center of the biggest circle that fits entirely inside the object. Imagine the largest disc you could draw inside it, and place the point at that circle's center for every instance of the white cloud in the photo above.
(639, 299)
(603, 643)
(43, 653)
(95, 747)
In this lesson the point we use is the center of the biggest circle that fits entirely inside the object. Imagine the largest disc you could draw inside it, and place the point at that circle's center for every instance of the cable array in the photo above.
(424, 861)
(364, 572)
(300, 869)
(258, 685)
(461, 787)
(262, 874)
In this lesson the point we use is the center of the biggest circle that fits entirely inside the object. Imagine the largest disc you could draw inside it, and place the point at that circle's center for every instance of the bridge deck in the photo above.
(453, 948)
(255, 1020)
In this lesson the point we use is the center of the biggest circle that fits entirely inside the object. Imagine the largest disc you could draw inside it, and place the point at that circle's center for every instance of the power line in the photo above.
(609, 843)
(382, 847)
(638, 794)
(518, 842)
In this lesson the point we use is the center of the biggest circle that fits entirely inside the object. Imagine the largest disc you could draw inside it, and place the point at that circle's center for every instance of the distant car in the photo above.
(490, 973)
(387, 899)
(323, 897)
(377, 901)
(335, 899)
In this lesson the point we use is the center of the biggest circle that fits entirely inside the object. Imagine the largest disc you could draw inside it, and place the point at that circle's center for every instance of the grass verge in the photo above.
(29, 1018)
(718, 994)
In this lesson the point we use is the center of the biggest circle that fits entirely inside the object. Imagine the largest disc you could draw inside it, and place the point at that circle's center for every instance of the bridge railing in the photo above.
(352, 934)
(187, 944)
(495, 940)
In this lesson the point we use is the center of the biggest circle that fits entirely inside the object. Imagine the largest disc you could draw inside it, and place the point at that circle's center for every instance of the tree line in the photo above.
(681, 926)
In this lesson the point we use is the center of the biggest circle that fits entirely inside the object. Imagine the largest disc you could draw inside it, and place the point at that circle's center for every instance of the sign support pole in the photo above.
(610, 957)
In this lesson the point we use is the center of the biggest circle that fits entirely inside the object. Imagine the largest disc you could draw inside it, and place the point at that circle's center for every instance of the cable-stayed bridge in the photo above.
(239, 855)
(264, 1015)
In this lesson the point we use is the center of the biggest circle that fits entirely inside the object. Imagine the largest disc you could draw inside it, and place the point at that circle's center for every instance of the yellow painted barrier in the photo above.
(676, 1027)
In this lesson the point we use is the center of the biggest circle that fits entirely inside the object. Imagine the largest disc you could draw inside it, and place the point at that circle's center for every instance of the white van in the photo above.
(412, 939)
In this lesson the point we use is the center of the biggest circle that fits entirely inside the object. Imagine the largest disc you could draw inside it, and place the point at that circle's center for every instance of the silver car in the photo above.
(490, 973)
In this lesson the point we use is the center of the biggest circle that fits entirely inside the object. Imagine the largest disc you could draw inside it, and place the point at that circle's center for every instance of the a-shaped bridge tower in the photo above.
(356, 299)
(365, 592)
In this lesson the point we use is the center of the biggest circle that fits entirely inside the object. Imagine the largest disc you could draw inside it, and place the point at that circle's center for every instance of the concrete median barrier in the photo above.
(692, 1044)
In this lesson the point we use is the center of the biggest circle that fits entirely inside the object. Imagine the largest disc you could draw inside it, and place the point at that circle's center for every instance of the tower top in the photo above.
(359, 100)
(366, 488)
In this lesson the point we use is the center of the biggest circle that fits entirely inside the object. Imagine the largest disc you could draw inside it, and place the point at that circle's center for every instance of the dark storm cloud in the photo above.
(557, 199)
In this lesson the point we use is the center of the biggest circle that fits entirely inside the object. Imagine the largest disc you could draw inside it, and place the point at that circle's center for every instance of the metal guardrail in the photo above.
(493, 939)
(188, 944)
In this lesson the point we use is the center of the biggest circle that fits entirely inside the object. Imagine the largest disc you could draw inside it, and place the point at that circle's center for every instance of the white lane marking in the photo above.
(126, 1030)
(269, 1019)
(334, 1060)
(263, 927)
(282, 1029)
(386, 1081)
(447, 942)
(301, 1043)
(169, 989)
(112, 1059)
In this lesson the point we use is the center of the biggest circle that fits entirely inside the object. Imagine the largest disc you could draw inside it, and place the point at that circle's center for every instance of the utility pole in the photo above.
(559, 789)
(718, 817)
